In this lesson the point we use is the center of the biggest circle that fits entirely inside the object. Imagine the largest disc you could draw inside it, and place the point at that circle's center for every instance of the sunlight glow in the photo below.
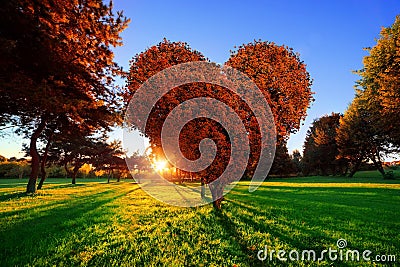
(160, 165)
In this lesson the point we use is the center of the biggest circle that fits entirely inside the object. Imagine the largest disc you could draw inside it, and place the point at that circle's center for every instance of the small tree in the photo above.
(296, 158)
(108, 157)
(74, 151)
(14, 169)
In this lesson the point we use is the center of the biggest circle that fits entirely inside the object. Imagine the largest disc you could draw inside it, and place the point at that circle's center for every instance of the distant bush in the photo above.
(389, 175)
(14, 169)
(393, 167)
(367, 167)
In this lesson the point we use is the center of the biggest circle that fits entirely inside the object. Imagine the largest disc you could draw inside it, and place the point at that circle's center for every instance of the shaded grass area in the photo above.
(117, 224)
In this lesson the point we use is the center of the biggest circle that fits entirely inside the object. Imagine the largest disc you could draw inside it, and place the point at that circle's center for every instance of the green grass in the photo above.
(98, 224)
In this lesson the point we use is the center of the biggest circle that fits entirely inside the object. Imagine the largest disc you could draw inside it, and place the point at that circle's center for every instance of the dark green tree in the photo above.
(320, 147)
(296, 158)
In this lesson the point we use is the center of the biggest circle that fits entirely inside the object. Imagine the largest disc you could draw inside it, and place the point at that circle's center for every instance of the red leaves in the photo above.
(277, 71)
(281, 76)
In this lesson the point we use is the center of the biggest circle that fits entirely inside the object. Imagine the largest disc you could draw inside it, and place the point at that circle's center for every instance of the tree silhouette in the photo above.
(320, 148)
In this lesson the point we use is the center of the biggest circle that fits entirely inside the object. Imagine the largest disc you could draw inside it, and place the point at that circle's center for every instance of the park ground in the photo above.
(94, 223)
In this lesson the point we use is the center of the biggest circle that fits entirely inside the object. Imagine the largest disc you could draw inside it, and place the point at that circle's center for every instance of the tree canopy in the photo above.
(282, 77)
(380, 81)
(276, 88)
(357, 138)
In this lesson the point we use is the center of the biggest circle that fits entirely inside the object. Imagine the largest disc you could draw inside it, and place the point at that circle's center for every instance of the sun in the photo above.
(160, 165)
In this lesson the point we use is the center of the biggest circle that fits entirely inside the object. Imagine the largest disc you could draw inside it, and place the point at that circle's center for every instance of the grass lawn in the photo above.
(98, 224)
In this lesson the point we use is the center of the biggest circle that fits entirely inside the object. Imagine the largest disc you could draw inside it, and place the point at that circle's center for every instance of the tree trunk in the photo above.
(42, 179)
(203, 189)
(75, 172)
(355, 168)
(217, 191)
(35, 161)
(74, 177)
(110, 175)
(334, 170)
(44, 160)
(378, 165)
(346, 170)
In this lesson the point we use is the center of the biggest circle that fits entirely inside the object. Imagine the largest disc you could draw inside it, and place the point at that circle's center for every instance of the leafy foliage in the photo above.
(370, 126)
(281, 76)
(14, 168)
(357, 138)
(57, 66)
(380, 81)
(320, 147)
(284, 87)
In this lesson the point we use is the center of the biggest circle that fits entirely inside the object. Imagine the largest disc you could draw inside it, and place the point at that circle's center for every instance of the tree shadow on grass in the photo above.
(61, 186)
(315, 240)
(348, 210)
(285, 220)
(37, 209)
(309, 239)
(11, 196)
(13, 185)
(41, 233)
(231, 230)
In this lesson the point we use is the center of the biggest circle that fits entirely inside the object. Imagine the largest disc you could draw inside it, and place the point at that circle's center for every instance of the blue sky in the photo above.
(329, 35)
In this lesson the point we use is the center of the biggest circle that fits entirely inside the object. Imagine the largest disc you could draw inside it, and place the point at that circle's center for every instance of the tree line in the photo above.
(369, 129)
(105, 165)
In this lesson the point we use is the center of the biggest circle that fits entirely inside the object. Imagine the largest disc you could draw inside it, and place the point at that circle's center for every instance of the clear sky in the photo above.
(329, 35)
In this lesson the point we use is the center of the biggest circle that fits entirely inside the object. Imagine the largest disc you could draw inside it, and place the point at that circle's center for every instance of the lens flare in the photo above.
(160, 165)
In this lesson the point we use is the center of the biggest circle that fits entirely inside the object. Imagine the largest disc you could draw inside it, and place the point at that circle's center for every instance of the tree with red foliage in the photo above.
(57, 61)
(282, 77)
(167, 54)
(163, 56)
